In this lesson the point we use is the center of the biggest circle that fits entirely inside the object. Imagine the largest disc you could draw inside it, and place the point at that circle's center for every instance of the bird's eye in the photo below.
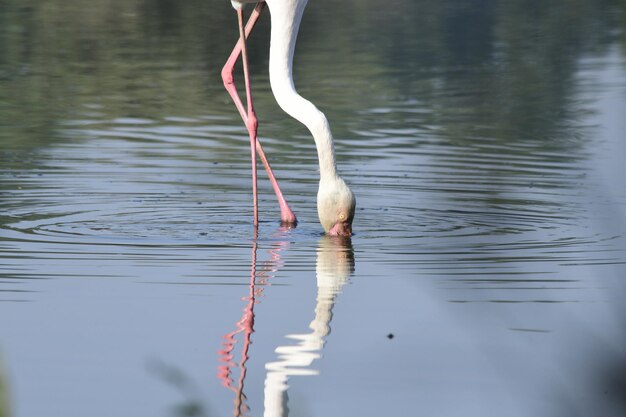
(342, 216)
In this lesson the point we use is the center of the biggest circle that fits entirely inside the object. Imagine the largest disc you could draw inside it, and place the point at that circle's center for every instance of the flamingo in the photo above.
(335, 201)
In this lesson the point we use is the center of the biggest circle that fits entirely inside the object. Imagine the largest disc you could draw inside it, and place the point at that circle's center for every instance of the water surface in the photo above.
(484, 142)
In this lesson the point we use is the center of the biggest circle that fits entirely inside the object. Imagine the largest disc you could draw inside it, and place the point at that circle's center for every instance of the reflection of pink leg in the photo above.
(245, 325)
(258, 280)
(249, 117)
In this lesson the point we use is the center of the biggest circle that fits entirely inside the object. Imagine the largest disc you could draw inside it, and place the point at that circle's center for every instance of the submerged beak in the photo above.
(341, 229)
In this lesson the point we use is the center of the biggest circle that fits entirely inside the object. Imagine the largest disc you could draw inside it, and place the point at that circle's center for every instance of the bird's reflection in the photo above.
(335, 263)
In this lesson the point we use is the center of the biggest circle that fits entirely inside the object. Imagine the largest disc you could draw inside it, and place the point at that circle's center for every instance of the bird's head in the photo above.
(335, 207)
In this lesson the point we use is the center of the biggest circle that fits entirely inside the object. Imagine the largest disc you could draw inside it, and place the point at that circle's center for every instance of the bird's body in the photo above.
(335, 201)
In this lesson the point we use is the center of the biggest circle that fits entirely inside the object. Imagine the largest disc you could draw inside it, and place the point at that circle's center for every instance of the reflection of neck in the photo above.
(296, 359)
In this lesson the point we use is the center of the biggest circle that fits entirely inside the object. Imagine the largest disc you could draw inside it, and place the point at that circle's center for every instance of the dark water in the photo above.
(485, 142)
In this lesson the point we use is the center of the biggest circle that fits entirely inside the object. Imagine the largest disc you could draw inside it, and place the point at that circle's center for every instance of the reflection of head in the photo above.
(335, 262)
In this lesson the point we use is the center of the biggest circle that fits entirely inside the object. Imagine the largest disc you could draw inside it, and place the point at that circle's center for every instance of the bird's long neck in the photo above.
(286, 16)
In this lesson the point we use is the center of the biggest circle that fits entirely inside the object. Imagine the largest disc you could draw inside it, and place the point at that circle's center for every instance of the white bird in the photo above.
(335, 201)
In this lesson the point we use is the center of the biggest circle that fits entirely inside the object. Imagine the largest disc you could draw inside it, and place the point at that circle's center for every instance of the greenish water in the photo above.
(485, 141)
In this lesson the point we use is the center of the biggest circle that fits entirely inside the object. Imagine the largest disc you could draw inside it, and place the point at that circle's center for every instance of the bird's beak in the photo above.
(341, 229)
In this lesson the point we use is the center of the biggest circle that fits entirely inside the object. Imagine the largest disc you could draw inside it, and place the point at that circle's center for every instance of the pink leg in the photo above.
(251, 121)
(249, 117)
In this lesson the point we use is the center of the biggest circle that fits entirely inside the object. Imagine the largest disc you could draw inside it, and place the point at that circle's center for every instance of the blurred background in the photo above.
(515, 61)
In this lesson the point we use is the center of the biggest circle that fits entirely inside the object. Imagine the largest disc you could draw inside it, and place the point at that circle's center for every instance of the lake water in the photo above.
(484, 140)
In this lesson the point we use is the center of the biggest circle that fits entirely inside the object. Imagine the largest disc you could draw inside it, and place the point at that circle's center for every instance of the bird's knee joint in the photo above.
(252, 123)
(227, 76)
